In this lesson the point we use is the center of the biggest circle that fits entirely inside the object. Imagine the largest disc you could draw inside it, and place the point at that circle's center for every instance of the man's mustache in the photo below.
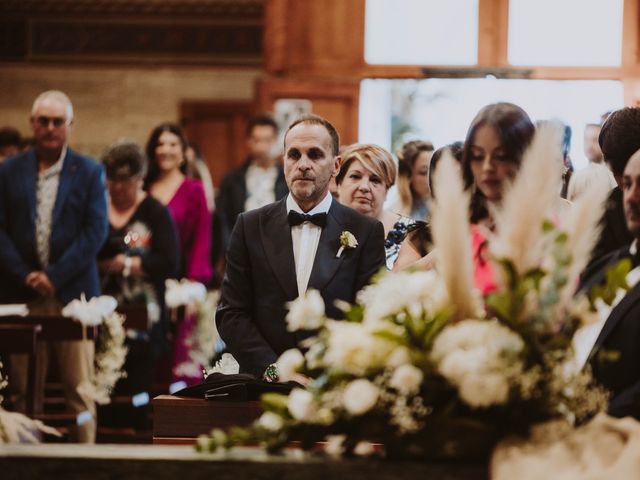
(304, 177)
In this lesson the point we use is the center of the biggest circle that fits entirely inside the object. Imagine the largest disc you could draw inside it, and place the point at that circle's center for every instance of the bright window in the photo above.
(421, 32)
(565, 32)
(395, 111)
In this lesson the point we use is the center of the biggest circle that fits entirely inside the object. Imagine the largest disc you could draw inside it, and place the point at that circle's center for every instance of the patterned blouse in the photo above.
(397, 235)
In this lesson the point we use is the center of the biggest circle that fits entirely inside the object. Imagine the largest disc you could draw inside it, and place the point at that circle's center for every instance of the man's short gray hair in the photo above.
(56, 95)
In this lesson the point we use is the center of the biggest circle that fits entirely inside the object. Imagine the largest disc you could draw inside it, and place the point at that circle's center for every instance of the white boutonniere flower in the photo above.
(347, 240)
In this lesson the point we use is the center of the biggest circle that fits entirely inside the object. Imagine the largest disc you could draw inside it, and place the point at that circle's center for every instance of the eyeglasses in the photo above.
(45, 121)
(123, 180)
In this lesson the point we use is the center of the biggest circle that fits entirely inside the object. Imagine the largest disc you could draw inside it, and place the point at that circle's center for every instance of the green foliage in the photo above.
(616, 279)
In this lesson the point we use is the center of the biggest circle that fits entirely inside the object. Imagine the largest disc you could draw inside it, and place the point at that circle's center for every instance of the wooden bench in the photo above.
(179, 420)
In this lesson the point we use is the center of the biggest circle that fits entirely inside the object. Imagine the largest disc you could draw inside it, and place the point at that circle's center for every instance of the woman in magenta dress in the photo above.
(186, 201)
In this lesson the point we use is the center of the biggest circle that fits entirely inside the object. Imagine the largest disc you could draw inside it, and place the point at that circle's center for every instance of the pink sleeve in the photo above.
(199, 262)
(484, 274)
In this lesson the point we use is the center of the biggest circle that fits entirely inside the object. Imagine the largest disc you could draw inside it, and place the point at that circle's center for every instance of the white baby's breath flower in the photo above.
(406, 379)
(270, 421)
(289, 363)
(360, 396)
(301, 405)
(306, 312)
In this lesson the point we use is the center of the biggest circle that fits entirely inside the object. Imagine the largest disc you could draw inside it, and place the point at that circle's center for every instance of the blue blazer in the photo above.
(79, 227)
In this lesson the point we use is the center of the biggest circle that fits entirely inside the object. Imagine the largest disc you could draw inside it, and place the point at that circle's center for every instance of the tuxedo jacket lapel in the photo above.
(326, 264)
(278, 246)
(617, 314)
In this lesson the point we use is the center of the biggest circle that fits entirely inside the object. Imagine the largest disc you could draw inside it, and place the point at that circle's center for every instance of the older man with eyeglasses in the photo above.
(53, 221)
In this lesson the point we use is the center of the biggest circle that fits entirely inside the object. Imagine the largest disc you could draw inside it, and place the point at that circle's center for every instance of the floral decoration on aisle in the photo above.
(111, 351)
(203, 338)
(427, 367)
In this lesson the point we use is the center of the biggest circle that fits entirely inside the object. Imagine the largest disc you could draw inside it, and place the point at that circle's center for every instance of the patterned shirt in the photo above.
(260, 186)
(46, 193)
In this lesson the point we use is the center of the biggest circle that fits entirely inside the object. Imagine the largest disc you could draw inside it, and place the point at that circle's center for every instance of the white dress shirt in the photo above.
(305, 238)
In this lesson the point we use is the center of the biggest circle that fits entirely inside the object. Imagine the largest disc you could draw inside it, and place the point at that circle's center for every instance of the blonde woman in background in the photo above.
(364, 179)
(413, 184)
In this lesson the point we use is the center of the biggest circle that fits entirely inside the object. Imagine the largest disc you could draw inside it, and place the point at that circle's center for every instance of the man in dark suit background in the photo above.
(53, 221)
(620, 332)
(260, 180)
(279, 251)
(619, 139)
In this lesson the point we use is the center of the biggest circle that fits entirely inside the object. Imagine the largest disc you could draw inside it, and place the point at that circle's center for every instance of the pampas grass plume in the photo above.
(452, 238)
(528, 201)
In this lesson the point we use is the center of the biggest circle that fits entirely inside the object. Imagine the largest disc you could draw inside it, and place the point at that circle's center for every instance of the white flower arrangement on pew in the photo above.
(18, 428)
(111, 351)
(203, 338)
(426, 366)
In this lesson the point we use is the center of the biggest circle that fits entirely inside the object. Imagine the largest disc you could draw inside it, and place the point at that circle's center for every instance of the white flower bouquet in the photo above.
(422, 364)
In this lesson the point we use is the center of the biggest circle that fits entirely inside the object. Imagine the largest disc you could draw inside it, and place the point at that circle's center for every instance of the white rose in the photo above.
(270, 421)
(353, 348)
(406, 379)
(462, 362)
(301, 404)
(360, 396)
(289, 363)
(399, 356)
(306, 312)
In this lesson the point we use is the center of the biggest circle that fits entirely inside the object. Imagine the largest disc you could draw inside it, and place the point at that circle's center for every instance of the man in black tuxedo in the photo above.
(279, 251)
(620, 332)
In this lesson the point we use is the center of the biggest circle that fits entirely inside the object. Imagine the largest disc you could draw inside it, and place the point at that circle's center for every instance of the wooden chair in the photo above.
(16, 338)
(52, 326)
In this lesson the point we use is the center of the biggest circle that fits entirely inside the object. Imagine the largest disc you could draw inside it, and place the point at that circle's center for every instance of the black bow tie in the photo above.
(295, 218)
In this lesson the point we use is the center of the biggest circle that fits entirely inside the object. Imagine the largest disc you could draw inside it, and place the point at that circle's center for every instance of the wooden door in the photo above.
(218, 129)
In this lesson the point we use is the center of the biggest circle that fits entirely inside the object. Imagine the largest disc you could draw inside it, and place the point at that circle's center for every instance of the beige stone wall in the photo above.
(112, 102)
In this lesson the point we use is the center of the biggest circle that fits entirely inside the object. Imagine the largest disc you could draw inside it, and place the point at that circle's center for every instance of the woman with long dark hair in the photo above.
(187, 203)
(493, 149)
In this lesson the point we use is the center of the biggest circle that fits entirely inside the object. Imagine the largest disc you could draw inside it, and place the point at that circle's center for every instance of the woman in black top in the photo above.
(140, 253)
